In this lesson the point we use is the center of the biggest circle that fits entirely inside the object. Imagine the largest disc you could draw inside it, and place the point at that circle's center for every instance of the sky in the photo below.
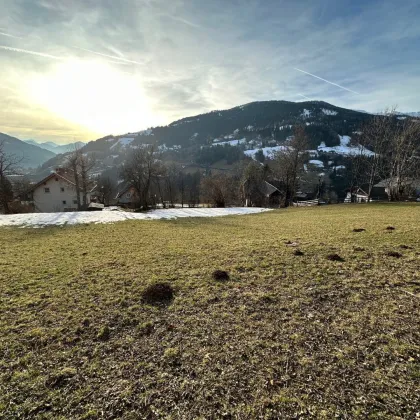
(77, 70)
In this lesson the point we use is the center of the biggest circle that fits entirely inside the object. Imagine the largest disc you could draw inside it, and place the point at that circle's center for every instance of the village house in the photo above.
(127, 196)
(56, 193)
(356, 195)
(263, 194)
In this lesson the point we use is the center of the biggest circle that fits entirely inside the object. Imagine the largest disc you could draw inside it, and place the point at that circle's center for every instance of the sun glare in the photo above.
(95, 95)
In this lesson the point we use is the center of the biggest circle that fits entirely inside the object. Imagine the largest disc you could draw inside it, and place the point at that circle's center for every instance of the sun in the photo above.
(94, 94)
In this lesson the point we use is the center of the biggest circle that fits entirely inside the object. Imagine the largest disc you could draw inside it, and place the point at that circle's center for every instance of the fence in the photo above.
(306, 203)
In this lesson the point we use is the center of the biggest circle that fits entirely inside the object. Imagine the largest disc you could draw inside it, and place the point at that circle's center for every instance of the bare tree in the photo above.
(403, 160)
(181, 187)
(252, 188)
(72, 162)
(141, 169)
(86, 164)
(81, 166)
(219, 189)
(171, 179)
(9, 165)
(395, 142)
(288, 163)
(106, 188)
(377, 135)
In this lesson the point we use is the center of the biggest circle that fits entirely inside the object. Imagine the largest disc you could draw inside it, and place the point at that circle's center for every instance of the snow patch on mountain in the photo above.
(345, 149)
(124, 141)
(329, 111)
(216, 142)
(268, 151)
(317, 163)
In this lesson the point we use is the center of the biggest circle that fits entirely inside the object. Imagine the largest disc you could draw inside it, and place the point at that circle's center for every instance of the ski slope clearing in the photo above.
(38, 220)
(345, 149)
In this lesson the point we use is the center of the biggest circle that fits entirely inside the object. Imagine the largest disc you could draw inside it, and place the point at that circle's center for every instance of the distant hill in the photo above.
(32, 156)
(239, 133)
(54, 147)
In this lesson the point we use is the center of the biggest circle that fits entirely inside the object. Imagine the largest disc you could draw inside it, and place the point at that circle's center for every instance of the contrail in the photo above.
(30, 52)
(10, 36)
(184, 21)
(303, 96)
(327, 81)
(111, 56)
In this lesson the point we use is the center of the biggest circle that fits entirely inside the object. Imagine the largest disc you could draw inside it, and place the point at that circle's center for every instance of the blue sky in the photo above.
(79, 69)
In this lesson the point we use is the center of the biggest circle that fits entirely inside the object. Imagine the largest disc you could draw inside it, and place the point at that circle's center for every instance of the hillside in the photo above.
(32, 156)
(240, 132)
(287, 336)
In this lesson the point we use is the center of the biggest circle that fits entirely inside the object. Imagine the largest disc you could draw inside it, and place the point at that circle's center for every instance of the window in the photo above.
(62, 189)
(128, 195)
(74, 201)
(64, 202)
(47, 190)
(56, 179)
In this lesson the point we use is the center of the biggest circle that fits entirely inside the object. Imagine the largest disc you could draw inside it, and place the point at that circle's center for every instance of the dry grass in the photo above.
(285, 337)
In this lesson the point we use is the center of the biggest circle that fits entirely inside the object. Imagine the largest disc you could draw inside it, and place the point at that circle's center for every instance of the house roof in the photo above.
(63, 174)
(54, 174)
(270, 189)
(125, 186)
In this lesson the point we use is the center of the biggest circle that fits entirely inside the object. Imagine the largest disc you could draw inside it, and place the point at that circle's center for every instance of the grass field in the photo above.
(287, 336)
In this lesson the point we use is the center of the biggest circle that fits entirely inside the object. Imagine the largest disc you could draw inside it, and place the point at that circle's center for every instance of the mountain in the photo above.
(32, 156)
(239, 132)
(412, 114)
(56, 148)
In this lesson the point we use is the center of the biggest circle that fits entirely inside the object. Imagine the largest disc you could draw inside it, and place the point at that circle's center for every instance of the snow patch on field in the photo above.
(39, 220)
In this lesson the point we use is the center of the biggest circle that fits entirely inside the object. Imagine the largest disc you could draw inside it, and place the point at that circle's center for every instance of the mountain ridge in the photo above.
(32, 156)
(54, 147)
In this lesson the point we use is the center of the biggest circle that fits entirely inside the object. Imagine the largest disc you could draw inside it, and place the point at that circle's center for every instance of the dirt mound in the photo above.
(335, 257)
(220, 275)
(158, 293)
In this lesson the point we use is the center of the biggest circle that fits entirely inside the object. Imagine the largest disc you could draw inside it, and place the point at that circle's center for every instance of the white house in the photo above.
(56, 193)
